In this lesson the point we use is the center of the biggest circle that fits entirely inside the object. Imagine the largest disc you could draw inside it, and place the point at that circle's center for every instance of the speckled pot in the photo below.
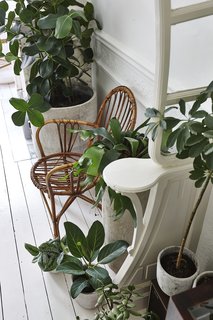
(172, 285)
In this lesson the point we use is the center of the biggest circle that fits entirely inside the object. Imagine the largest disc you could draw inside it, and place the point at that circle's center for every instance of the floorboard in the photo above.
(27, 293)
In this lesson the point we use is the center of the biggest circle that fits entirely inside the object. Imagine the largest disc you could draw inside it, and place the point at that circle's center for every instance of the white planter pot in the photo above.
(87, 300)
(86, 111)
(170, 284)
(202, 275)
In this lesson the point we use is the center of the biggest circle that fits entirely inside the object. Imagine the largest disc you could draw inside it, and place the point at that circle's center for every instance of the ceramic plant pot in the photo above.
(170, 284)
(87, 300)
(86, 111)
(202, 277)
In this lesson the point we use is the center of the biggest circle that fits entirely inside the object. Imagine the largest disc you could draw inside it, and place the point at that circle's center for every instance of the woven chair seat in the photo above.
(60, 180)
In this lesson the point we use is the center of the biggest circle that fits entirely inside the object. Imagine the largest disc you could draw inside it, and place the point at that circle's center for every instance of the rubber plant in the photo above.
(88, 257)
(105, 147)
(192, 135)
(53, 38)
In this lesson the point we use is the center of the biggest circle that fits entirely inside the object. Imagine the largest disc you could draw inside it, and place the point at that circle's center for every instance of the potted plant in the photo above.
(88, 254)
(119, 303)
(192, 134)
(49, 254)
(53, 38)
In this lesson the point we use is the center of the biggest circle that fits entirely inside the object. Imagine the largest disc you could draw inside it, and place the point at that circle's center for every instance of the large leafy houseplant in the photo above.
(108, 146)
(54, 38)
(192, 135)
(88, 254)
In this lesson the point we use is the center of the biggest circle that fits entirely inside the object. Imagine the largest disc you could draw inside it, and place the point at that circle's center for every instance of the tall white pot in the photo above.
(87, 300)
(172, 285)
(86, 111)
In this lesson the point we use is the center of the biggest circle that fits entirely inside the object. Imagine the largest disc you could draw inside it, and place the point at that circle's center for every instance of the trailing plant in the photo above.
(88, 254)
(49, 254)
(192, 135)
(106, 147)
(119, 303)
(53, 38)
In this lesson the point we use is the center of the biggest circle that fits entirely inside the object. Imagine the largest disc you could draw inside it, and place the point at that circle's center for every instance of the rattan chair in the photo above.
(52, 174)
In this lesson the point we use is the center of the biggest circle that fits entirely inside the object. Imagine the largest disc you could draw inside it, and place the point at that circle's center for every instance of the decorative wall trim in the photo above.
(120, 64)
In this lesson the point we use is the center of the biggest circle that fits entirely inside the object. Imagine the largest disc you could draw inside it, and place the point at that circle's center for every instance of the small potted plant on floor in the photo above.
(53, 38)
(85, 264)
(49, 254)
(192, 134)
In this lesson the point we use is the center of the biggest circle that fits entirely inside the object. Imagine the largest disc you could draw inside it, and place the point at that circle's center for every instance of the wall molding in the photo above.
(124, 67)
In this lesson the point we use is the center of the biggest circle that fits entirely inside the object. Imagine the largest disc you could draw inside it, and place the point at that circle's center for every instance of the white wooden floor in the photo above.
(26, 293)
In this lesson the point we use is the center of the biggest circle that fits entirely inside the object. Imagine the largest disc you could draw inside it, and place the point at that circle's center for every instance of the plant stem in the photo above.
(183, 242)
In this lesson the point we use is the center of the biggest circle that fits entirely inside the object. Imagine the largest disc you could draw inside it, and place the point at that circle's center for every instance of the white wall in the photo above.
(125, 48)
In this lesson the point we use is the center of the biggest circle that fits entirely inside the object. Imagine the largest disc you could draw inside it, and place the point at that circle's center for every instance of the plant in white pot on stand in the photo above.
(192, 134)
(54, 39)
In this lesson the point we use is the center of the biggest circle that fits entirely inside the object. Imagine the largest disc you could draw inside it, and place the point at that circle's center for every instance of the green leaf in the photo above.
(208, 134)
(171, 122)
(19, 104)
(73, 266)
(63, 26)
(127, 205)
(88, 55)
(35, 117)
(209, 161)
(112, 251)
(18, 118)
(196, 174)
(95, 155)
(196, 127)
(197, 149)
(34, 69)
(95, 237)
(182, 105)
(14, 47)
(46, 68)
(209, 121)
(134, 143)
(97, 272)
(108, 157)
(4, 5)
(208, 149)
(76, 240)
(31, 50)
(48, 22)
(26, 15)
(200, 182)
(200, 114)
(35, 100)
(194, 139)
(31, 249)
(182, 138)
(152, 113)
(10, 57)
(89, 11)
(172, 138)
(10, 18)
(17, 67)
(78, 286)
(76, 28)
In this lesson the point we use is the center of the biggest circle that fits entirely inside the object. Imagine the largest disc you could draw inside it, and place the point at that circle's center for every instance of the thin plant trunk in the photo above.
(183, 242)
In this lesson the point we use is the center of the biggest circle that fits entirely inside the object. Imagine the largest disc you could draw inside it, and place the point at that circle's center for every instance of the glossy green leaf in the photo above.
(26, 15)
(10, 19)
(31, 249)
(182, 138)
(72, 266)
(173, 138)
(89, 11)
(98, 273)
(209, 161)
(88, 55)
(17, 67)
(46, 68)
(116, 129)
(14, 47)
(34, 69)
(95, 154)
(208, 149)
(200, 182)
(63, 27)
(35, 117)
(112, 251)
(196, 127)
(35, 100)
(208, 134)
(4, 5)
(78, 286)
(18, 118)
(194, 139)
(31, 50)
(134, 144)
(48, 22)
(197, 149)
(95, 237)
(196, 174)
(200, 114)
(19, 104)
(10, 57)
(182, 105)
(76, 240)
(76, 29)
(107, 157)
(209, 121)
